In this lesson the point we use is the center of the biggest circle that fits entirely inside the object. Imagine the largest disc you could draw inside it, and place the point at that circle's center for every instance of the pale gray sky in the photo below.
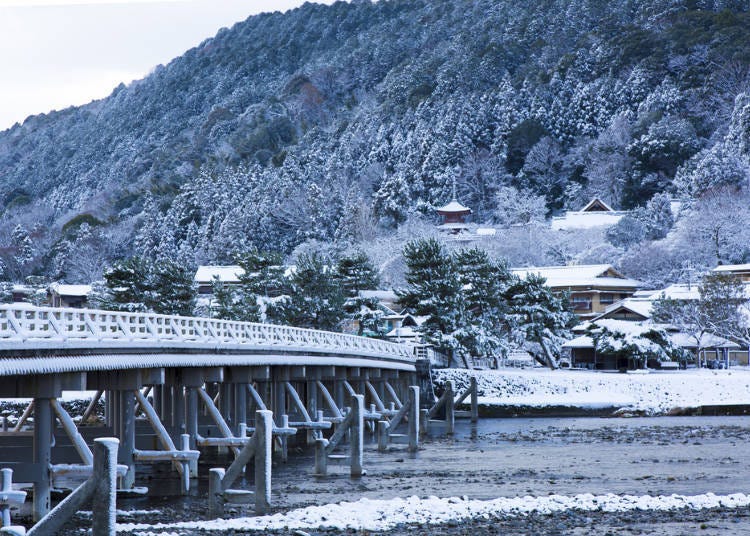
(57, 53)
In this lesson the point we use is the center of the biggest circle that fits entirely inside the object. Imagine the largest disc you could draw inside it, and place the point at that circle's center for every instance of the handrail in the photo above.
(22, 325)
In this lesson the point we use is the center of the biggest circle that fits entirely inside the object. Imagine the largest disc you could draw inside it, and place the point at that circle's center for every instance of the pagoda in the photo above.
(454, 216)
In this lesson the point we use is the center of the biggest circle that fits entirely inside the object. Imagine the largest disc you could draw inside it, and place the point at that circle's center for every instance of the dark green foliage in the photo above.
(386, 102)
(433, 291)
(137, 284)
(74, 223)
(356, 272)
(315, 299)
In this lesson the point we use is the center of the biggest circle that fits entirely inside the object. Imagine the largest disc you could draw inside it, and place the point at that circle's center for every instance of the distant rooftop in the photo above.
(599, 275)
(454, 207)
(226, 274)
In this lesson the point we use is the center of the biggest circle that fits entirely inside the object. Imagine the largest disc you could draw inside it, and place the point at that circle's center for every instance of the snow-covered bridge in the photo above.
(155, 372)
(43, 340)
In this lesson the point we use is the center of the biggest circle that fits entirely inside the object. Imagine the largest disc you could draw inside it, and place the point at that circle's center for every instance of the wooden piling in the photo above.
(413, 418)
(263, 454)
(357, 436)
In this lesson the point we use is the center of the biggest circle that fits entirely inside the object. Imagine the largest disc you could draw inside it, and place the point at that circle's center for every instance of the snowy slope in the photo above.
(655, 393)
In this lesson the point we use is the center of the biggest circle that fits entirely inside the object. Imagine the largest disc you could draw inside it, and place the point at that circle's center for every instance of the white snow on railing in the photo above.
(26, 327)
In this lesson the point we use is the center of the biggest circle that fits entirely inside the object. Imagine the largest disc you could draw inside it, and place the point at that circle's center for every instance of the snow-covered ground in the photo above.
(380, 515)
(653, 394)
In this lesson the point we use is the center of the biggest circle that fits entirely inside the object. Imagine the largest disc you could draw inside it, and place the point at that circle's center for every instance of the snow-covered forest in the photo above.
(344, 126)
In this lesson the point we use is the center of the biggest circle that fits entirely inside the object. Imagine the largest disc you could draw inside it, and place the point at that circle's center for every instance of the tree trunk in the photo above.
(551, 362)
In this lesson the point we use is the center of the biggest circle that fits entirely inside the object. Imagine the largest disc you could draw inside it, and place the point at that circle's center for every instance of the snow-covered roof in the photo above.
(639, 306)
(453, 225)
(454, 207)
(597, 204)
(584, 341)
(678, 291)
(404, 332)
(226, 274)
(585, 220)
(382, 295)
(732, 268)
(707, 340)
(486, 231)
(63, 289)
(586, 275)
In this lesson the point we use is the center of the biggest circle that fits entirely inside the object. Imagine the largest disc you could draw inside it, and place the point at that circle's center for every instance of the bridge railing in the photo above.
(24, 323)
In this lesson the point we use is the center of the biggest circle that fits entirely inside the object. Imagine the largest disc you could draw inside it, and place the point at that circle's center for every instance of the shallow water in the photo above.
(508, 458)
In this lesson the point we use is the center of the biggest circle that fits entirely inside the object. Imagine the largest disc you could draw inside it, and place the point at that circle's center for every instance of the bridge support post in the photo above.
(413, 418)
(321, 457)
(263, 451)
(474, 400)
(357, 435)
(126, 433)
(281, 376)
(191, 410)
(382, 436)
(240, 407)
(215, 492)
(42, 453)
(450, 409)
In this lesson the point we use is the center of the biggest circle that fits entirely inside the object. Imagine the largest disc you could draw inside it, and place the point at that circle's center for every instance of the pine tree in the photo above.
(483, 283)
(125, 287)
(433, 290)
(355, 273)
(537, 318)
(172, 290)
(315, 299)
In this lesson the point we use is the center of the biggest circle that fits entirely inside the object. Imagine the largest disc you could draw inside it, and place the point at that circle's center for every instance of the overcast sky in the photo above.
(57, 53)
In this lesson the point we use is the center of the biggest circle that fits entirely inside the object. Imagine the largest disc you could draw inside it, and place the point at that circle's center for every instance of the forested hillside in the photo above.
(347, 124)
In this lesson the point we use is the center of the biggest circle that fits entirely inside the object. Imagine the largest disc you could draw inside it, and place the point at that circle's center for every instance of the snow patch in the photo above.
(380, 515)
(653, 394)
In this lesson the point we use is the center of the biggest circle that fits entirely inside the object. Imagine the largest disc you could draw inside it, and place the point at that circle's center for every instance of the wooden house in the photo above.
(592, 288)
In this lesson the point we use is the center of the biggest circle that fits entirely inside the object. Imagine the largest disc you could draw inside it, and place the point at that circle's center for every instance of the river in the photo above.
(510, 458)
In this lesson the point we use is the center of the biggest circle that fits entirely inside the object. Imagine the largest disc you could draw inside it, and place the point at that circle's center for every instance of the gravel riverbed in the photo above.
(657, 456)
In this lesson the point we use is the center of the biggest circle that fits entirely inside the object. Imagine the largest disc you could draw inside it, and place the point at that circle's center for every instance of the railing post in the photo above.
(215, 492)
(424, 421)
(321, 457)
(474, 400)
(450, 409)
(382, 436)
(357, 435)
(263, 455)
(105, 495)
(6, 485)
(413, 418)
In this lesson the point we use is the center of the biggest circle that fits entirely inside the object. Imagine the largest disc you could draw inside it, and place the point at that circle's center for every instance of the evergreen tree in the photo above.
(225, 301)
(483, 283)
(355, 273)
(261, 282)
(125, 287)
(538, 319)
(315, 299)
(433, 290)
(172, 290)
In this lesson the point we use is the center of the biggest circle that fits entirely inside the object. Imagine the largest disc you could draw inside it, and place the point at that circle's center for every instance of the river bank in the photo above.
(542, 392)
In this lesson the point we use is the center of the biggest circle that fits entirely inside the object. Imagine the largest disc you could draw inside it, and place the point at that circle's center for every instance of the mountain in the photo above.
(325, 121)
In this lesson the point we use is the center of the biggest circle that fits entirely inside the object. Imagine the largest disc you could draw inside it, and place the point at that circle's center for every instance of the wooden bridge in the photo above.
(175, 385)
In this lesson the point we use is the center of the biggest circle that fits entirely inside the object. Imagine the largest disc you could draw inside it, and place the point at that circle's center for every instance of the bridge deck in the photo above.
(44, 340)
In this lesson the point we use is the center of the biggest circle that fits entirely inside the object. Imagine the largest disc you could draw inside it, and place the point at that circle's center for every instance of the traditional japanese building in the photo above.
(592, 288)
(454, 216)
